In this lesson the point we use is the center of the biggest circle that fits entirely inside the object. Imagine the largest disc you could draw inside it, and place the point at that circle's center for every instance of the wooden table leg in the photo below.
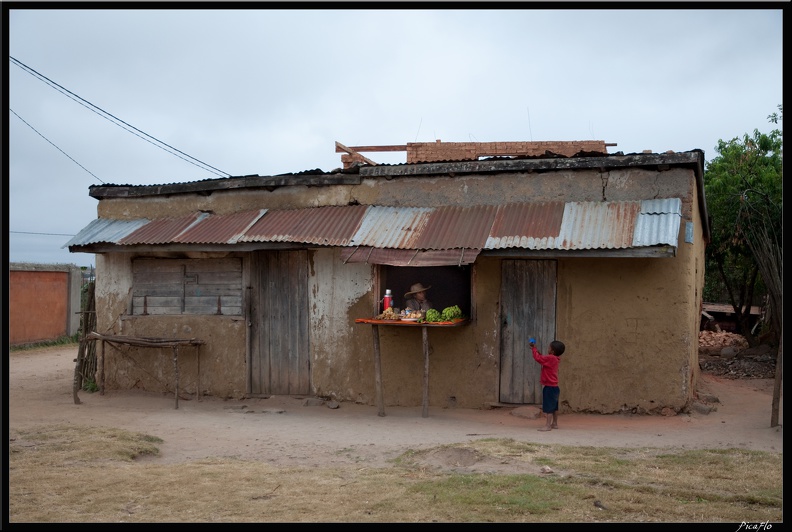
(101, 370)
(378, 371)
(425, 335)
(176, 371)
(198, 378)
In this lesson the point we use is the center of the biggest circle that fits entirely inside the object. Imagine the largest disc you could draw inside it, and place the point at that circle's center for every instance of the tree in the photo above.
(743, 186)
(745, 177)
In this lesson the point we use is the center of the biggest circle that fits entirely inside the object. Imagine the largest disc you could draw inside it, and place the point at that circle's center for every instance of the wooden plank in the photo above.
(378, 372)
(340, 148)
(352, 152)
(425, 338)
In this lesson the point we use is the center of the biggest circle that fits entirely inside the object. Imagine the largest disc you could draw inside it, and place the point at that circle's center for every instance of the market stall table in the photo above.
(424, 325)
(140, 341)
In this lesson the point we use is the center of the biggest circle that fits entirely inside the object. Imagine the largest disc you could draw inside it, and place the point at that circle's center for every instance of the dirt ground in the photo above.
(292, 431)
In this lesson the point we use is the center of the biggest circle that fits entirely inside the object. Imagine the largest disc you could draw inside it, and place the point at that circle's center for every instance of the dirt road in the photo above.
(284, 431)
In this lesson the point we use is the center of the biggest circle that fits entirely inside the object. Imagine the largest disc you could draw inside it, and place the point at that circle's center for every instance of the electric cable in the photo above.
(56, 147)
(117, 121)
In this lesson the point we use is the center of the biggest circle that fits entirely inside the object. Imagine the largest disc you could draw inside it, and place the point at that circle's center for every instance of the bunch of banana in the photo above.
(451, 313)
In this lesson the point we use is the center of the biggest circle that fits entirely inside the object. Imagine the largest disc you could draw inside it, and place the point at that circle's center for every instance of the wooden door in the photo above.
(280, 356)
(528, 309)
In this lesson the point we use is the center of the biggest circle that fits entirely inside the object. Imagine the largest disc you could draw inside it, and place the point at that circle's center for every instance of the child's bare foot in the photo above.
(544, 429)
(554, 426)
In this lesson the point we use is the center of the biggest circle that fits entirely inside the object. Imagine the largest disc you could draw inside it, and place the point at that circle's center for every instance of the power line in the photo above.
(115, 120)
(32, 233)
(60, 150)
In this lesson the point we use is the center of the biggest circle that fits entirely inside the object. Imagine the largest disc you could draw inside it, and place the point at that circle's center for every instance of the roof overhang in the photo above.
(408, 236)
(410, 257)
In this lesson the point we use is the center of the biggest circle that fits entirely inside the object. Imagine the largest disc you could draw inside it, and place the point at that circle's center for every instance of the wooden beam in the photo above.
(341, 148)
(352, 149)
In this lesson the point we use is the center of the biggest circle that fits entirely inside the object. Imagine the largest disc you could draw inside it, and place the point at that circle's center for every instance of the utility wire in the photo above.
(32, 233)
(60, 150)
(104, 114)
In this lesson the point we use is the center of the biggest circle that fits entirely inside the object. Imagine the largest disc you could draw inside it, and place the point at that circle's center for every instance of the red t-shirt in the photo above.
(549, 375)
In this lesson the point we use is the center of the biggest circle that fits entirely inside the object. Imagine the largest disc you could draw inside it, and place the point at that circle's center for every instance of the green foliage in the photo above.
(90, 386)
(63, 340)
(743, 188)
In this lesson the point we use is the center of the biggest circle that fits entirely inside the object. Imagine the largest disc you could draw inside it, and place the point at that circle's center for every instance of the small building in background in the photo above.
(43, 302)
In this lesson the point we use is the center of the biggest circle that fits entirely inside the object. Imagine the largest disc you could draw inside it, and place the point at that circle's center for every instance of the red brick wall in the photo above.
(456, 151)
(426, 152)
(37, 304)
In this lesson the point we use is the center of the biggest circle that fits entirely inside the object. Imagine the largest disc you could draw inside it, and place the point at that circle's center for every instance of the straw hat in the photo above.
(414, 289)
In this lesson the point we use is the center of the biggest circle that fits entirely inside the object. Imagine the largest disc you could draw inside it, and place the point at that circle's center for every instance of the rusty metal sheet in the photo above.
(410, 257)
(519, 225)
(457, 227)
(327, 226)
(391, 227)
(220, 229)
(162, 231)
(532, 226)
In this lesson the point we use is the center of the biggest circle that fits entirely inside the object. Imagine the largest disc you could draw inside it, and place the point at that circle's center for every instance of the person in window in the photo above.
(415, 299)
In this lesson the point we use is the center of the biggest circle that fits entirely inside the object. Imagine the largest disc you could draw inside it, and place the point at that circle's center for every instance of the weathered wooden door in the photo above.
(528, 309)
(280, 357)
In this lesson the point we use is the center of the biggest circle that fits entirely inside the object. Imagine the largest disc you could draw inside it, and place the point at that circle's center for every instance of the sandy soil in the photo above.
(287, 431)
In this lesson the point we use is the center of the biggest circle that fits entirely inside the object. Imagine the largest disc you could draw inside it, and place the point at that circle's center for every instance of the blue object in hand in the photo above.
(532, 340)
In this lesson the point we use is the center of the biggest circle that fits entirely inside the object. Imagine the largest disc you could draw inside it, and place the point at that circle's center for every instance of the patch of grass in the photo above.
(60, 445)
(495, 497)
(90, 386)
(66, 473)
(62, 341)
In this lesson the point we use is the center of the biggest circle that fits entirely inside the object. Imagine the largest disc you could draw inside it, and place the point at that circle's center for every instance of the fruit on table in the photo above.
(433, 315)
(389, 314)
(451, 313)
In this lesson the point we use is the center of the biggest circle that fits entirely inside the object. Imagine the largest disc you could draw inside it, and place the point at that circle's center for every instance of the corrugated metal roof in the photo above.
(457, 227)
(162, 231)
(658, 222)
(223, 228)
(605, 225)
(391, 227)
(409, 257)
(105, 230)
(327, 226)
(524, 225)
(535, 226)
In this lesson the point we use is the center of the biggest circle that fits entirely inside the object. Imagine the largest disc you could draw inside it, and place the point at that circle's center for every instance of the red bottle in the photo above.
(387, 301)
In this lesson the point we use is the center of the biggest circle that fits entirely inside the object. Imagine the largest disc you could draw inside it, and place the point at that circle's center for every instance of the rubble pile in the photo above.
(711, 342)
(727, 355)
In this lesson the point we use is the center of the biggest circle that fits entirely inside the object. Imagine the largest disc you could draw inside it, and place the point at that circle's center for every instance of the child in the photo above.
(549, 380)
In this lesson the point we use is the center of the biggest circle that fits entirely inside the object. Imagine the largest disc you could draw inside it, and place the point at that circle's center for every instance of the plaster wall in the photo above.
(624, 352)
(577, 185)
(342, 362)
(217, 368)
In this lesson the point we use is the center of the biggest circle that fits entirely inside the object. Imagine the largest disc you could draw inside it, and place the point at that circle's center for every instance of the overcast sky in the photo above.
(266, 92)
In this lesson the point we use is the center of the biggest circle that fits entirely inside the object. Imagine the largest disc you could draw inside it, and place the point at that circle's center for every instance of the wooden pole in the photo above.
(198, 381)
(425, 335)
(378, 371)
(101, 370)
(176, 371)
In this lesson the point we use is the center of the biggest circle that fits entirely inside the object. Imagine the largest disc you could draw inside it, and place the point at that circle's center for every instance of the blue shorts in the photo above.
(550, 399)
